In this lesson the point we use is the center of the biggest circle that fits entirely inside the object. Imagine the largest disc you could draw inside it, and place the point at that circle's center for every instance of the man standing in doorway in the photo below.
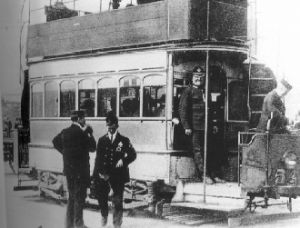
(114, 154)
(75, 143)
(192, 115)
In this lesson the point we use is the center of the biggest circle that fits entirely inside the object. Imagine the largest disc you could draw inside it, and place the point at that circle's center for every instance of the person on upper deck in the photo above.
(273, 104)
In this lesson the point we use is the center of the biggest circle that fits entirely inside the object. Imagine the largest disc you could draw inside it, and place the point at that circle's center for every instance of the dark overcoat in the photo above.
(75, 145)
(192, 108)
(272, 103)
(108, 155)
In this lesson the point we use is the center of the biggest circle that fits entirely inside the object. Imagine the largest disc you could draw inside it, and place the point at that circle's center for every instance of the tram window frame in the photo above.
(68, 111)
(135, 92)
(107, 89)
(87, 97)
(51, 105)
(37, 101)
(157, 101)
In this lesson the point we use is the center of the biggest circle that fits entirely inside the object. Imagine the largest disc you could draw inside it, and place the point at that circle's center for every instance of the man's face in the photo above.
(81, 121)
(282, 90)
(112, 128)
(198, 79)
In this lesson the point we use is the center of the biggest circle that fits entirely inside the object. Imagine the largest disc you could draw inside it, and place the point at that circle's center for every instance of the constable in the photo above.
(114, 154)
(75, 143)
(192, 115)
(273, 104)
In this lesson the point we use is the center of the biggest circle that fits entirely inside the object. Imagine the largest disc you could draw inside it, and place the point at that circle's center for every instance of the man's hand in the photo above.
(188, 131)
(120, 163)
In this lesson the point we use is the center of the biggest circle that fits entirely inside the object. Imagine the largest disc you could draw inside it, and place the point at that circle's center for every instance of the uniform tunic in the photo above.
(192, 109)
(192, 115)
(108, 155)
(75, 145)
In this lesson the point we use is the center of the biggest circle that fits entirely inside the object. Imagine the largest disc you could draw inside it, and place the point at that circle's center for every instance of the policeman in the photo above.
(273, 104)
(75, 143)
(192, 115)
(114, 154)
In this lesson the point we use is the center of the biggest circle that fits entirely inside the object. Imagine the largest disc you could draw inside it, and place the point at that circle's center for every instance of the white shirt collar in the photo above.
(112, 135)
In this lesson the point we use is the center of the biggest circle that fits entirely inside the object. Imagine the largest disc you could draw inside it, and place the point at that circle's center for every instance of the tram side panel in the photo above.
(148, 138)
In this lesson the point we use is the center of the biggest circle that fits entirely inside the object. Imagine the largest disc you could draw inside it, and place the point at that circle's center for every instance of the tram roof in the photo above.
(164, 24)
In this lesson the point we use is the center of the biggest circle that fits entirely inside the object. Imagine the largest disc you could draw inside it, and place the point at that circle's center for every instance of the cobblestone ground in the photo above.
(26, 209)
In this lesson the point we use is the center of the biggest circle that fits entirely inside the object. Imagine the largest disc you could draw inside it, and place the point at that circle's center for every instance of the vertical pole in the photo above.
(74, 4)
(206, 122)
(207, 21)
(100, 5)
(206, 107)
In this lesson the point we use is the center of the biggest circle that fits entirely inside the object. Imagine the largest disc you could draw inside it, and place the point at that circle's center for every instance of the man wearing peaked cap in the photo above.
(77, 114)
(192, 115)
(75, 143)
(114, 153)
(273, 105)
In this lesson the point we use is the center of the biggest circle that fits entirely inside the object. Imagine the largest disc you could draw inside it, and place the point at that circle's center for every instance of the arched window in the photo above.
(67, 98)
(51, 99)
(86, 93)
(37, 100)
(107, 96)
(154, 100)
(130, 96)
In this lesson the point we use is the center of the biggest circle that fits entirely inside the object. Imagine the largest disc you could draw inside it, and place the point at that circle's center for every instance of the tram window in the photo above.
(237, 101)
(130, 97)
(107, 96)
(37, 101)
(51, 99)
(154, 100)
(86, 93)
(67, 98)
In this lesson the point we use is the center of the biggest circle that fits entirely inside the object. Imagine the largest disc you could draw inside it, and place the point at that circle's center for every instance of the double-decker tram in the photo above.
(137, 61)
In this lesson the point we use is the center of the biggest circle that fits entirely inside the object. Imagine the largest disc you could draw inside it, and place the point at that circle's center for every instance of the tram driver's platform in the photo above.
(224, 202)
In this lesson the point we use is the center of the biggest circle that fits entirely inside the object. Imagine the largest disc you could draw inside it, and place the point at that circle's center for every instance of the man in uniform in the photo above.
(114, 154)
(192, 115)
(75, 143)
(273, 104)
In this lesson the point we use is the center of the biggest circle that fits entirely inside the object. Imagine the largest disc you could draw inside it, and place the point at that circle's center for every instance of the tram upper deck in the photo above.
(153, 24)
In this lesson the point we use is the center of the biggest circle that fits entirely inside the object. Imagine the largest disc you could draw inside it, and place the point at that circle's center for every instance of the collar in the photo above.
(75, 123)
(112, 135)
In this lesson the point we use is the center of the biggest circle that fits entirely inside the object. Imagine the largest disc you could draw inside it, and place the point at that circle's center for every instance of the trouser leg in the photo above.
(198, 142)
(117, 201)
(70, 206)
(80, 195)
(103, 197)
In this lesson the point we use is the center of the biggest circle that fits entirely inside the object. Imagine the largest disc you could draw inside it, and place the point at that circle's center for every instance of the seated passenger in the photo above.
(161, 110)
(126, 107)
(89, 106)
(273, 104)
(147, 104)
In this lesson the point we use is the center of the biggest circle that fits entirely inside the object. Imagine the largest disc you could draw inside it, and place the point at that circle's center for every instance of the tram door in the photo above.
(216, 119)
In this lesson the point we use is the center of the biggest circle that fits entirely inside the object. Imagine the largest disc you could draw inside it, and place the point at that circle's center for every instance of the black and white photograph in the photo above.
(150, 113)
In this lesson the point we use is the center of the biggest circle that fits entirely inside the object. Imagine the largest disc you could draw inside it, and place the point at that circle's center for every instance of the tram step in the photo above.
(216, 194)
